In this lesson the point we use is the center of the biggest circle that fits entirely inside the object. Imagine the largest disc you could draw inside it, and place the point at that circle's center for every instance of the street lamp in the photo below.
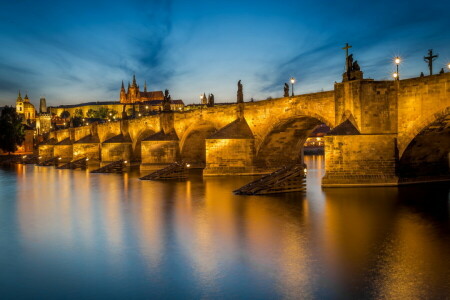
(448, 66)
(397, 61)
(292, 84)
(395, 75)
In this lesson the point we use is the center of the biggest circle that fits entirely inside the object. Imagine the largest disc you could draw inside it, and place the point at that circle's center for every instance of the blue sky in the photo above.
(79, 51)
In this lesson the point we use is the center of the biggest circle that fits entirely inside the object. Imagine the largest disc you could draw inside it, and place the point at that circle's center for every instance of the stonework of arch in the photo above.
(284, 141)
(406, 137)
(192, 143)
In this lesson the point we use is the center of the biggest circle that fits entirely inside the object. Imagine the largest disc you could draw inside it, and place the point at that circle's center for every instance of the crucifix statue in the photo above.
(347, 46)
(429, 59)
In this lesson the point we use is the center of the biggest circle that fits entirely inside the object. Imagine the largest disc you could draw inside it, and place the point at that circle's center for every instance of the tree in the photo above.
(78, 113)
(12, 131)
(65, 115)
(91, 113)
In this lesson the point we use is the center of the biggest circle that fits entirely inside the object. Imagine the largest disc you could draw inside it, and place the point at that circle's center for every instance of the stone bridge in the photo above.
(383, 133)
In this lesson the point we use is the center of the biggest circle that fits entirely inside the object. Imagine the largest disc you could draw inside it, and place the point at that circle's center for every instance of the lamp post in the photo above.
(448, 65)
(397, 61)
(292, 84)
(395, 75)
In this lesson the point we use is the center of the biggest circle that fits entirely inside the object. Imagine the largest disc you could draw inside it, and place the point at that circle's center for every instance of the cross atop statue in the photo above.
(352, 68)
(347, 46)
(429, 60)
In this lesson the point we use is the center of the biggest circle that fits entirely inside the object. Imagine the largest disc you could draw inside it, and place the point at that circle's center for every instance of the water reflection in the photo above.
(71, 234)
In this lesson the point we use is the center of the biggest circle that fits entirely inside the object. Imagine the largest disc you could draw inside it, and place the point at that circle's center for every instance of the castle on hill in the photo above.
(134, 95)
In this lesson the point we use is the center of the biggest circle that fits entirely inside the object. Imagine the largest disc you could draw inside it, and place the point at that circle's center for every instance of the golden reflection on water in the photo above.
(332, 240)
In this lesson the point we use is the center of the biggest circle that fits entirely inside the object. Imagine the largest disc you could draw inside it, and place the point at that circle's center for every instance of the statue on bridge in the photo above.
(286, 90)
(240, 94)
(352, 68)
(210, 100)
(166, 101)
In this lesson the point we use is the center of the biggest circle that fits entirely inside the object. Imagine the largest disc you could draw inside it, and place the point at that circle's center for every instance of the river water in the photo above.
(74, 235)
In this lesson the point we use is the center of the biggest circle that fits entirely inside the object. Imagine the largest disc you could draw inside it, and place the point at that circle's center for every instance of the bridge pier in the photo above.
(159, 150)
(360, 160)
(231, 150)
(117, 148)
(46, 149)
(87, 147)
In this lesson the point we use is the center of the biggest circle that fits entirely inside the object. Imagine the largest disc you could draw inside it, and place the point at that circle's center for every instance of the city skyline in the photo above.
(69, 53)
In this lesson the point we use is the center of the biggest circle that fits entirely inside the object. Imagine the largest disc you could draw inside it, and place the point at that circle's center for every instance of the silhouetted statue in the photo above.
(355, 66)
(166, 101)
(442, 71)
(211, 100)
(240, 94)
(124, 113)
(286, 90)
(421, 74)
(350, 63)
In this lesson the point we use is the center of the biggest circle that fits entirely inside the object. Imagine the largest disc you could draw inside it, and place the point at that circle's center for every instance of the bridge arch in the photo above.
(143, 134)
(192, 143)
(283, 142)
(426, 147)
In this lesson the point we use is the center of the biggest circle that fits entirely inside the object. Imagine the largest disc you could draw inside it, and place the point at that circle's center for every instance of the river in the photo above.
(74, 235)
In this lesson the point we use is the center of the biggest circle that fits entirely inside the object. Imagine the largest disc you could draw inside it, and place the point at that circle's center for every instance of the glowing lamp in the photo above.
(59, 158)
(292, 80)
(126, 161)
(397, 60)
(188, 165)
(395, 75)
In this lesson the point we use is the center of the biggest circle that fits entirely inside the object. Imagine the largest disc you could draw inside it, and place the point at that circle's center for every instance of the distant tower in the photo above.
(204, 99)
(123, 94)
(42, 105)
(133, 93)
(19, 104)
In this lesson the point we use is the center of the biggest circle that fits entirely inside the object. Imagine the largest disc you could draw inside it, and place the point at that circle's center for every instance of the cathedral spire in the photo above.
(123, 87)
(134, 80)
(145, 86)
(19, 98)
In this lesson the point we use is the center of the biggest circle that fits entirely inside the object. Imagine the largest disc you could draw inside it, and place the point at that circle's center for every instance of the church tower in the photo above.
(133, 93)
(42, 105)
(123, 94)
(19, 104)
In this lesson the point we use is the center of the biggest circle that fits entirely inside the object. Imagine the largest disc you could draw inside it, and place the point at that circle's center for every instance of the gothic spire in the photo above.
(145, 86)
(19, 98)
(134, 80)
(123, 88)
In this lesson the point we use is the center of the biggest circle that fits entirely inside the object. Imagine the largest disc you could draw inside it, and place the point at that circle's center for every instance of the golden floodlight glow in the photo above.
(188, 165)
(59, 158)
(125, 161)
(292, 80)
